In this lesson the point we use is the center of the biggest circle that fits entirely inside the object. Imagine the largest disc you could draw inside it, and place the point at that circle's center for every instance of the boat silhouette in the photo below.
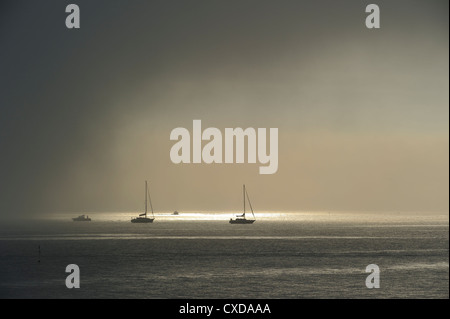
(142, 218)
(81, 218)
(240, 219)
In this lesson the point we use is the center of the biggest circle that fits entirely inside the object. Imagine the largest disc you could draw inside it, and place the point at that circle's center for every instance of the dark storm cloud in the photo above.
(60, 88)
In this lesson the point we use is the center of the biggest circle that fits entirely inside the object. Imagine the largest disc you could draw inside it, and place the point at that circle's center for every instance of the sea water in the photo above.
(201, 255)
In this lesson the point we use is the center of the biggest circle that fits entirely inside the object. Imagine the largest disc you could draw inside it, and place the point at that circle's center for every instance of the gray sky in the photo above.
(86, 114)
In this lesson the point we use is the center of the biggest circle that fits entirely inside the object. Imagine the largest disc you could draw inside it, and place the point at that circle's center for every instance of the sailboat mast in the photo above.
(244, 198)
(145, 198)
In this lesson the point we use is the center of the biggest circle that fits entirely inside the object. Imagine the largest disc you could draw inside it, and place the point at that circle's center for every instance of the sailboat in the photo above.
(142, 218)
(240, 219)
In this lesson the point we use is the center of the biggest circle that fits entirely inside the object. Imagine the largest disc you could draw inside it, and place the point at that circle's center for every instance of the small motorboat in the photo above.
(81, 218)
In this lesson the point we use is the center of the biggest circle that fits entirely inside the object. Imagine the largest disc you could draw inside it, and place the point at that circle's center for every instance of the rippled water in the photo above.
(198, 255)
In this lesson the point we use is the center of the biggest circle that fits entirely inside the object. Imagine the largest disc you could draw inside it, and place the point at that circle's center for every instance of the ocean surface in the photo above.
(201, 255)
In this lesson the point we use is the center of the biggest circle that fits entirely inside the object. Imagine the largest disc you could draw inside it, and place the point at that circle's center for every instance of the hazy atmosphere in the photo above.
(86, 113)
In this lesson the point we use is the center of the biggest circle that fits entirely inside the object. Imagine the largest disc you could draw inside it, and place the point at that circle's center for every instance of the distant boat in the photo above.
(175, 213)
(240, 219)
(81, 218)
(143, 217)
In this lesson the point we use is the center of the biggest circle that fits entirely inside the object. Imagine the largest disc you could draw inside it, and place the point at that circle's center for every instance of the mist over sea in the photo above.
(201, 255)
